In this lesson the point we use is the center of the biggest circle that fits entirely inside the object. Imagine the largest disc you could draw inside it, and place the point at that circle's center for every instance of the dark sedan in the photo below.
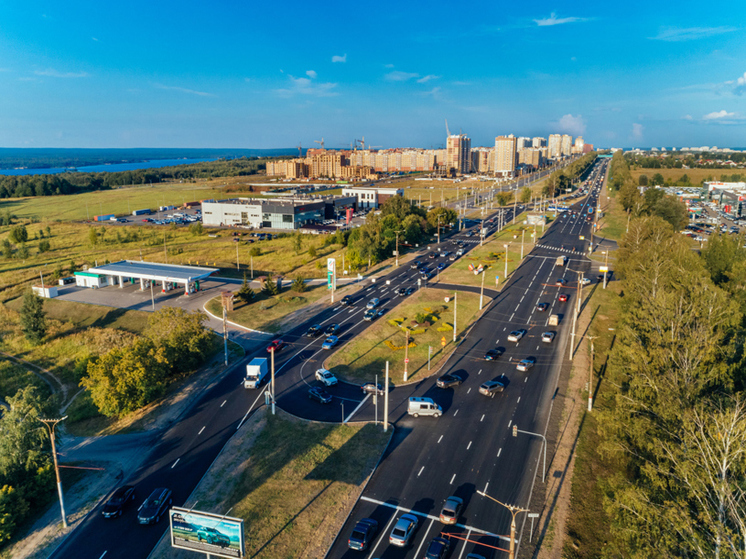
(115, 505)
(493, 354)
(154, 506)
(362, 534)
(320, 395)
(314, 331)
(331, 329)
(449, 380)
(371, 388)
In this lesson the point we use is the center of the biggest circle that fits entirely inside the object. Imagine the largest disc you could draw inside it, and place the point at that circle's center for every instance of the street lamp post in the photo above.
(606, 266)
(406, 355)
(455, 303)
(51, 424)
(513, 511)
(590, 376)
(272, 354)
(506, 261)
(523, 234)
(397, 247)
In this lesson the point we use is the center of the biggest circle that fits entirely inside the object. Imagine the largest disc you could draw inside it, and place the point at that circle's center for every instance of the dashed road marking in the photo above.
(420, 472)
(200, 431)
(499, 451)
(174, 464)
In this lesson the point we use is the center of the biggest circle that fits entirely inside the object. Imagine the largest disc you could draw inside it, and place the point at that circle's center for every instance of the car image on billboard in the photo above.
(219, 536)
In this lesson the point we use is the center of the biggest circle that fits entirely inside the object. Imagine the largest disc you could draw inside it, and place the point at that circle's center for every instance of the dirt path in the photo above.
(45, 375)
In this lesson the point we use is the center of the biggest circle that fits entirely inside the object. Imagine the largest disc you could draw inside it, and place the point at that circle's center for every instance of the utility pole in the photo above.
(506, 261)
(606, 252)
(386, 400)
(575, 315)
(397, 249)
(590, 376)
(51, 424)
(438, 230)
(523, 234)
(225, 332)
(455, 303)
(238, 265)
(513, 511)
(272, 359)
(481, 289)
(406, 355)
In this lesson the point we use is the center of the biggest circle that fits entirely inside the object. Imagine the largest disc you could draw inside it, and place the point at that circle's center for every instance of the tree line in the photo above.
(561, 180)
(677, 420)
(16, 186)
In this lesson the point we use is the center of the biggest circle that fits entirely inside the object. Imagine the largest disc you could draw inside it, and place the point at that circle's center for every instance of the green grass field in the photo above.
(696, 176)
(361, 359)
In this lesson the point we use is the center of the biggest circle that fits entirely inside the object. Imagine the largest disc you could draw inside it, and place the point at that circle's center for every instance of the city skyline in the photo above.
(188, 75)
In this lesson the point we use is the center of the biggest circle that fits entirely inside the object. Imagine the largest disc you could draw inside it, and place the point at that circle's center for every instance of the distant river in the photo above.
(112, 168)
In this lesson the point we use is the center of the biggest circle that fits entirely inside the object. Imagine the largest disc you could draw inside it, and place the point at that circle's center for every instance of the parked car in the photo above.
(493, 354)
(320, 395)
(403, 530)
(276, 345)
(115, 505)
(516, 335)
(451, 509)
(448, 380)
(362, 534)
(525, 364)
(330, 342)
(154, 506)
(491, 387)
(327, 377)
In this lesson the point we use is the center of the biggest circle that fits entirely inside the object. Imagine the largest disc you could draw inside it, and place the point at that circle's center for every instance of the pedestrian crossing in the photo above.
(562, 249)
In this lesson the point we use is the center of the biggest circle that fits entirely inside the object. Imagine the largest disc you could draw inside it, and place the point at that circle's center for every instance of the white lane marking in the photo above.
(104, 553)
(357, 408)
(452, 478)
(521, 301)
(482, 418)
(469, 445)
(511, 318)
(200, 431)
(468, 390)
(517, 307)
(454, 413)
(351, 311)
(440, 439)
(525, 379)
(417, 554)
(510, 423)
(499, 451)
(224, 401)
(480, 372)
(420, 472)
(177, 461)
(463, 548)
(485, 487)
(505, 329)
(385, 531)
(519, 400)
(537, 348)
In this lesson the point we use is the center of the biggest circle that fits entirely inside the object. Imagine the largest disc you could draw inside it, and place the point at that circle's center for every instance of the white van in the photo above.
(423, 406)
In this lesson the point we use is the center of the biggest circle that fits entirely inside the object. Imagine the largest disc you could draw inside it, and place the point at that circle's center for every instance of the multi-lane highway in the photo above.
(466, 449)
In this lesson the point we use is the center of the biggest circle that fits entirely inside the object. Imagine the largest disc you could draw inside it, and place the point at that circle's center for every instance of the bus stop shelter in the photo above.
(167, 276)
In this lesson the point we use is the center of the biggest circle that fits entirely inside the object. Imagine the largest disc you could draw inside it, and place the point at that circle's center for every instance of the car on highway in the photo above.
(516, 335)
(362, 534)
(403, 530)
(371, 388)
(445, 253)
(331, 329)
(491, 387)
(525, 364)
(414, 265)
(547, 337)
(451, 509)
(541, 307)
(346, 301)
(493, 354)
(115, 505)
(401, 292)
(320, 395)
(460, 252)
(370, 314)
(410, 290)
(561, 282)
(441, 266)
(327, 377)
(448, 380)
(212, 536)
(276, 346)
(438, 548)
(585, 281)
(154, 506)
(330, 342)
(562, 298)
(313, 331)
(372, 304)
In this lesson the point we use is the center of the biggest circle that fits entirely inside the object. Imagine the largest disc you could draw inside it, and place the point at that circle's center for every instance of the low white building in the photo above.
(371, 197)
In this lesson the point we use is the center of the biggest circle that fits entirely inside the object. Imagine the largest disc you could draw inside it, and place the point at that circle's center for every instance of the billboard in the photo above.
(221, 536)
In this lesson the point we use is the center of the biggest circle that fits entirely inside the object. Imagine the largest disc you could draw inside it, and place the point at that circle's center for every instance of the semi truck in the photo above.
(561, 260)
(142, 212)
(256, 372)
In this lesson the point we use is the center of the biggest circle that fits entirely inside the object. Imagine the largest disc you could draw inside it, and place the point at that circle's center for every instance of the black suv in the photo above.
(154, 506)
(346, 300)
(118, 499)
(314, 331)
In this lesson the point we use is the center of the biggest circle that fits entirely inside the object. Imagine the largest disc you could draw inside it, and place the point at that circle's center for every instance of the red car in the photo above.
(276, 345)
(562, 298)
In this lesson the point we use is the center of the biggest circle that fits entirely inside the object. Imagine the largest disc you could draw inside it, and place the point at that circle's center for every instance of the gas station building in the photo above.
(166, 276)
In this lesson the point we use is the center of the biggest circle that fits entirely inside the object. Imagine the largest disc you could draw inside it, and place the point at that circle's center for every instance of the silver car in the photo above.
(403, 530)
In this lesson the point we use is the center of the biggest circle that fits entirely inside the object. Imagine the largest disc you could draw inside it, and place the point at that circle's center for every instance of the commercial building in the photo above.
(291, 213)
(371, 198)
(458, 154)
(505, 156)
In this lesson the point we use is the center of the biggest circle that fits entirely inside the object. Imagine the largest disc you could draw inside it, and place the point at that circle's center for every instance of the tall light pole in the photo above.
(397, 247)
(575, 315)
(506, 261)
(523, 234)
(590, 376)
(51, 424)
(438, 229)
(272, 356)
(406, 355)
(481, 290)
(455, 304)
(606, 266)
(513, 511)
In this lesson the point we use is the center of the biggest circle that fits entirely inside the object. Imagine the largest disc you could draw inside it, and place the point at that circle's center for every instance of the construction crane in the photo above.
(321, 143)
(374, 147)
(448, 132)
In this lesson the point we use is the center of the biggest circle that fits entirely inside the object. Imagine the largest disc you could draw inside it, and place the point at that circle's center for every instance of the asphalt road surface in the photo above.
(460, 452)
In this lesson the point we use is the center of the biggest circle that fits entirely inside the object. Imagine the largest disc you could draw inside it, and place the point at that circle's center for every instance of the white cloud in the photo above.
(427, 78)
(52, 73)
(740, 88)
(434, 93)
(687, 117)
(637, 131)
(337, 58)
(718, 115)
(570, 124)
(388, 65)
(311, 74)
(184, 90)
(676, 34)
(304, 86)
(554, 20)
(397, 76)
(94, 39)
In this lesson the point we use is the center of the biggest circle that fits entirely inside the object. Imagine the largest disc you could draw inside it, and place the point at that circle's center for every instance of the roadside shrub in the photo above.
(299, 284)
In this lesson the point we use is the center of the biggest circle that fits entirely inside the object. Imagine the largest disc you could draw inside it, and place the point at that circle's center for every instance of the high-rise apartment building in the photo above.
(538, 142)
(566, 145)
(482, 159)
(505, 155)
(555, 146)
(458, 153)
(523, 142)
(531, 157)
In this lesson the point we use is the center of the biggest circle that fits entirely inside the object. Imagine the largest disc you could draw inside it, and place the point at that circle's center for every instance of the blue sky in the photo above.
(270, 75)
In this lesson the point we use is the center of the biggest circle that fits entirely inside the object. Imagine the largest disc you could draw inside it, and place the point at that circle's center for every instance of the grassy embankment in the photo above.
(292, 482)
(696, 176)
(362, 358)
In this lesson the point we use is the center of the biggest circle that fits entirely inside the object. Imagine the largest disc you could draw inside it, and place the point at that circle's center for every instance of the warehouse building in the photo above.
(371, 197)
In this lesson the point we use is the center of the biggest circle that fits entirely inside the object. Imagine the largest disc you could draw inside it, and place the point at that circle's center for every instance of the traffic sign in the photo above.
(406, 360)
(603, 269)
(443, 341)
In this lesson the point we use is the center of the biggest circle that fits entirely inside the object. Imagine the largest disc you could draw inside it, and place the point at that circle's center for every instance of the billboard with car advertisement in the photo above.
(221, 536)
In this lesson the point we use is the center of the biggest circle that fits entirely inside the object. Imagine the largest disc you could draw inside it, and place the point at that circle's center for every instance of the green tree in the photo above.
(13, 509)
(7, 249)
(299, 284)
(525, 195)
(41, 233)
(673, 211)
(44, 246)
(7, 218)
(658, 179)
(92, 236)
(245, 293)
(312, 252)
(269, 287)
(255, 251)
(73, 267)
(58, 272)
(196, 229)
(643, 180)
(23, 252)
(182, 335)
(18, 234)
(33, 318)
(49, 231)
(297, 242)
(503, 199)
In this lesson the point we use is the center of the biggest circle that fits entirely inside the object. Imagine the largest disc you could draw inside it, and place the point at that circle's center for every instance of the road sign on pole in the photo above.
(443, 341)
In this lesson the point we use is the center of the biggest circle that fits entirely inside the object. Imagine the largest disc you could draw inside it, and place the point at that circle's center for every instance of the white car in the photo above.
(327, 377)
(585, 281)
(547, 337)
(516, 335)
(372, 304)
(525, 364)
